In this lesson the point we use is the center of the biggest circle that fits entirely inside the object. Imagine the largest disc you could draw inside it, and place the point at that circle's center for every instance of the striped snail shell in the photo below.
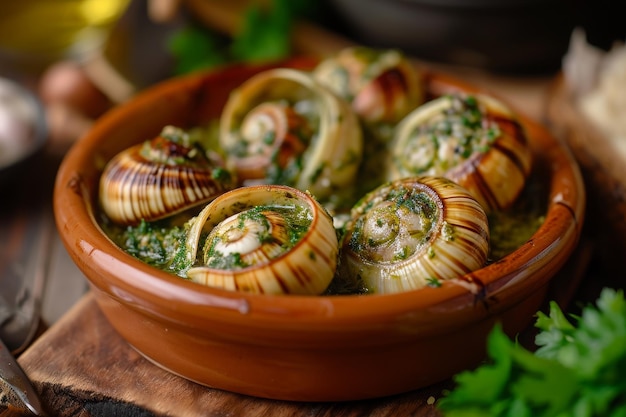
(160, 177)
(414, 232)
(265, 239)
(282, 127)
(475, 140)
(382, 85)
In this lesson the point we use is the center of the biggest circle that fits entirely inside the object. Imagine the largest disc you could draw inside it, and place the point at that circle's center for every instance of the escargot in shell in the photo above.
(474, 140)
(282, 127)
(266, 239)
(381, 85)
(160, 177)
(414, 232)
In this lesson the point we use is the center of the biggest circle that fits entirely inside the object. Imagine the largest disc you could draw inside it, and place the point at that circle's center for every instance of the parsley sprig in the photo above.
(264, 35)
(578, 370)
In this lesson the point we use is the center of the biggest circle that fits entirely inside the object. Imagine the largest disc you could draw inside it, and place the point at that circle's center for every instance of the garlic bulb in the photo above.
(160, 177)
(282, 127)
(266, 239)
(414, 232)
(475, 140)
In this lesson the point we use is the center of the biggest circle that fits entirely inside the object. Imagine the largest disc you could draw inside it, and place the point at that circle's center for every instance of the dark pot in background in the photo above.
(518, 36)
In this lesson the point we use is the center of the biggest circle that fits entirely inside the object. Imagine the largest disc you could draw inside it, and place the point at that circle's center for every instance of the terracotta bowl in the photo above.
(309, 348)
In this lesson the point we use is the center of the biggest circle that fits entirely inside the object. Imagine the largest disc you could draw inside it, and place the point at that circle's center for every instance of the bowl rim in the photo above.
(142, 286)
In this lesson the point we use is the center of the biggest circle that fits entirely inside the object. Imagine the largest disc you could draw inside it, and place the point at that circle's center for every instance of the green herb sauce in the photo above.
(461, 131)
(297, 222)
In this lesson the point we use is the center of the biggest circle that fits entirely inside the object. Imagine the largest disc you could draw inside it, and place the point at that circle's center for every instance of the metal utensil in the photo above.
(23, 277)
(16, 390)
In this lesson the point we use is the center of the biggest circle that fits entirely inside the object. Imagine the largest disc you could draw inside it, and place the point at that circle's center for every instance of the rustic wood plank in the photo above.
(82, 367)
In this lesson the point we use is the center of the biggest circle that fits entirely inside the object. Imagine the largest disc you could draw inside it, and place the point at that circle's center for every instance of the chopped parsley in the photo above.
(395, 229)
(297, 221)
(155, 243)
(227, 262)
(263, 35)
(459, 132)
(577, 371)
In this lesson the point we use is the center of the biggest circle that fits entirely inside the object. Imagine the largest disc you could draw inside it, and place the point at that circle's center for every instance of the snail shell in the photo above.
(160, 177)
(382, 86)
(266, 239)
(475, 140)
(282, 127)
(414, 232)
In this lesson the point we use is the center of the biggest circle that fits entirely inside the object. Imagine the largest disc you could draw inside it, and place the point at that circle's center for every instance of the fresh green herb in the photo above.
(269, 138)
(299, 219)
(195, 48)
(227, 262)
(287, 175)
(448, 232)
(577, 371)
(402, 253)
(461, 132)
(433, 282)
(154, 243)
(264, 35)
(221, 175)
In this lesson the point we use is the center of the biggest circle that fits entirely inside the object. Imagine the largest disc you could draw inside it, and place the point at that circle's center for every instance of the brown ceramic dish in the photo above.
(310, 348)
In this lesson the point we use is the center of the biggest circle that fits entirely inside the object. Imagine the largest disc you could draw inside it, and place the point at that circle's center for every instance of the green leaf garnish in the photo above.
(577, 371)
(265, 34)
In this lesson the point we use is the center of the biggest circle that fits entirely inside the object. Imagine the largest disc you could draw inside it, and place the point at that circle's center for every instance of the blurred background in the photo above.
(82, 56)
